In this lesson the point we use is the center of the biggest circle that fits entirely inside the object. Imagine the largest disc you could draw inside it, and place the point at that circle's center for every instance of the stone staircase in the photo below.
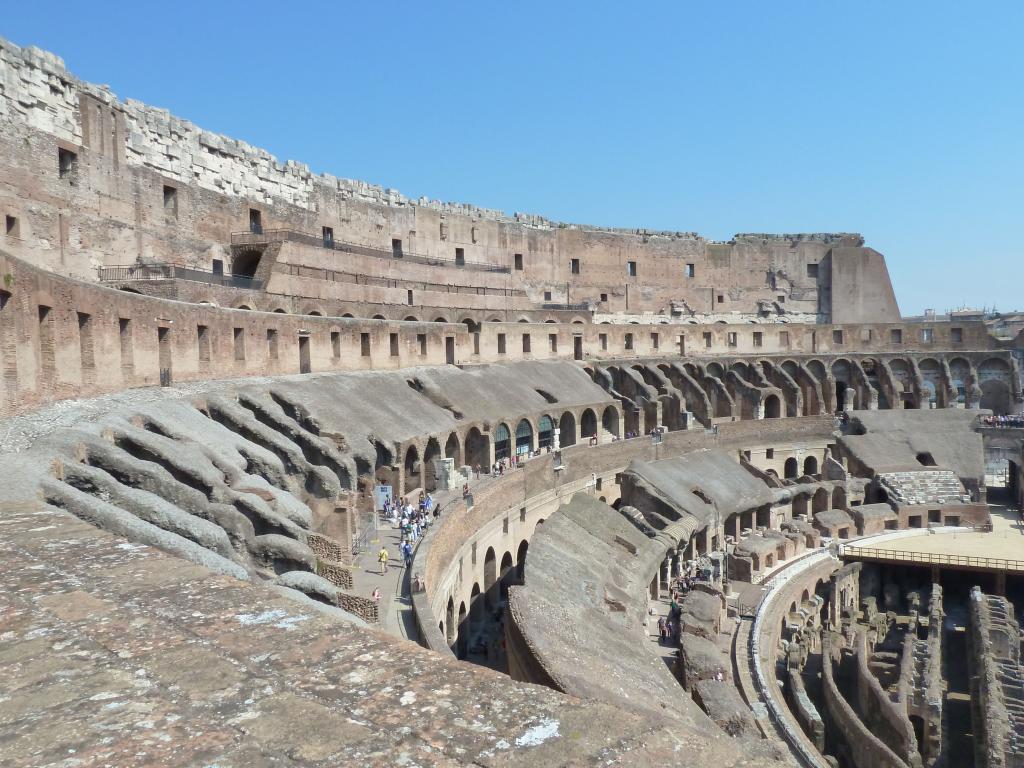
(931, 486)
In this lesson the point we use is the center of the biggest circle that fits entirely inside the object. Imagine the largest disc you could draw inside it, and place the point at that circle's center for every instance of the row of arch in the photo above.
(458, 626)
(480, 449)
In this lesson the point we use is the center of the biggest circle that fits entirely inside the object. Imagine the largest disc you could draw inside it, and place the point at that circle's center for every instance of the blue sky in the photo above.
(900, 120)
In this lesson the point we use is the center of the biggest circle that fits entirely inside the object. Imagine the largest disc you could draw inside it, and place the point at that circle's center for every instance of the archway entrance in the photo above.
(610, 420)
(588, 424)
(545, 433)
(524, 438)
(772, 407)
(502, 442)
(478, 449)
(567, 430)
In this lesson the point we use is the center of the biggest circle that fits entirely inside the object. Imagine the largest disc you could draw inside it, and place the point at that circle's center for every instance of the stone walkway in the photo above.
(396, 613)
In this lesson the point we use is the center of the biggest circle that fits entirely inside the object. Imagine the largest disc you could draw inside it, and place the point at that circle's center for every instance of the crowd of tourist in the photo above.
(1015, 421)
(412, 520)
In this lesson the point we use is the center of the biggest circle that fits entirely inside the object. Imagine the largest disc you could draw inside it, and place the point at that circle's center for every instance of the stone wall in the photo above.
(144, 184)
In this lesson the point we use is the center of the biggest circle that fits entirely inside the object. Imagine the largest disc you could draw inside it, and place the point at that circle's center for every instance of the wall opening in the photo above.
(255, 222)
(396, 249)
(305, 363)
(163, 340)
(203, 343)
(364, 344)
(67, 163)
(272, 343)
(238, 336)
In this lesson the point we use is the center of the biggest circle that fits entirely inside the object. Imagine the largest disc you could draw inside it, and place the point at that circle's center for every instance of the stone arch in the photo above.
(490, 579)
(524, 547)
(567, 429)
(378, 317)
(811, 465)
(505, 574)
(800, 504)
(524, 437)
(463, 639)
(610, 420)
(545, 432)
(772, 407)
(820, 500)
(791, 468)
(412, 469)
(411, 319)
(839, 497)
(502, 441)
(430, 453)
(476, 605)
(452, 449)
(450, 622)
(995, 396)
(588, 424)
(246, 307)
(440, 319)
(348, 314)
(280, 311)
(478, 449)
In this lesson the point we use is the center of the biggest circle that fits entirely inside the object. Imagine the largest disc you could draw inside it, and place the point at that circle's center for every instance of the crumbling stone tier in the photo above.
(210, 360)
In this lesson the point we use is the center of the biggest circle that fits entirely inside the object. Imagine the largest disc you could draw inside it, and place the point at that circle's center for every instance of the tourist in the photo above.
(376, 595)
(408, 554)
(382, 558)
(661, 630)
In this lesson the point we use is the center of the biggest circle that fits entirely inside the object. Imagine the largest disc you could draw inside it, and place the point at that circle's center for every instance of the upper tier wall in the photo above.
(62, 338)
(138, 183)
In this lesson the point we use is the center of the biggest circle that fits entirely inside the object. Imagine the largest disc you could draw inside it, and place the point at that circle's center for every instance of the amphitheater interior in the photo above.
(690, 502)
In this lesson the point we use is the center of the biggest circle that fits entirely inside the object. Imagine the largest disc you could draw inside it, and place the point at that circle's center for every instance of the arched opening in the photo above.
(610, 420)
(545, 432)
(838, 498)
(411, 319)
(280, 311)
(588, 424)
(524, 438)
(925, 459)
(791, 468)
(567, 429)
(800, 505)
(378, 317)
(348, 314)
(502, 442)
(476, 606)
(524, 547)
(412, 469)
(440, 319)
(463, 642)
(478, 450)
(452, 449)
(810, 466)
(315, 313)
(450, 623)
(772, 407)
(505, 574)
(820, 501)
(995, 396)
(430, 453)
(490, 579)
(246, 263)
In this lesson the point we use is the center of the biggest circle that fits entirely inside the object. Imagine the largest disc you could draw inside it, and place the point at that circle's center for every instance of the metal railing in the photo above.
(161, 271)
(570, 307)
(290, 235)
(933, 558)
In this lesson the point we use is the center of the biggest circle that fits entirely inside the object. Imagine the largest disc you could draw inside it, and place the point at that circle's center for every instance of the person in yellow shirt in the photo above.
(382, 558)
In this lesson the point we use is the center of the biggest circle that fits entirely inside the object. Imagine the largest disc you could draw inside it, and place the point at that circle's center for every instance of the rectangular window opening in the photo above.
(604, 298)
(784, 339)
(421, 339)
(460, 257)
(67, 163)
(630, 269)
(574, 266)
(812, 271)
(255, 222)
(758, 339)
(518, 261)
(238, 335)
(336, 344)
(85, 341)
(927, 335)
(124, 332)
(547, 295)
(655, 341)
(408, 297)
(11, 228)
(526, 343)
(837, 337)
(707, 339)
(691, 270)
(396, 248)
(170, 200)
(203, 343)
(393, 338)
(364, 344)
(628, 341)
(732, 339)
(553, 341)
(896, 336)
(501, 343)
(603, 339)
(328, 233)
(272, 343)
(956, 335)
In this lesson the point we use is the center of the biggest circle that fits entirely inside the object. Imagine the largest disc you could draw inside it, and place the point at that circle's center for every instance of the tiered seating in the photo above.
(931, 486)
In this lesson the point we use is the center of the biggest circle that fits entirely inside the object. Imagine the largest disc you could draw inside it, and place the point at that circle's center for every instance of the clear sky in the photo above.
(900, 119)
